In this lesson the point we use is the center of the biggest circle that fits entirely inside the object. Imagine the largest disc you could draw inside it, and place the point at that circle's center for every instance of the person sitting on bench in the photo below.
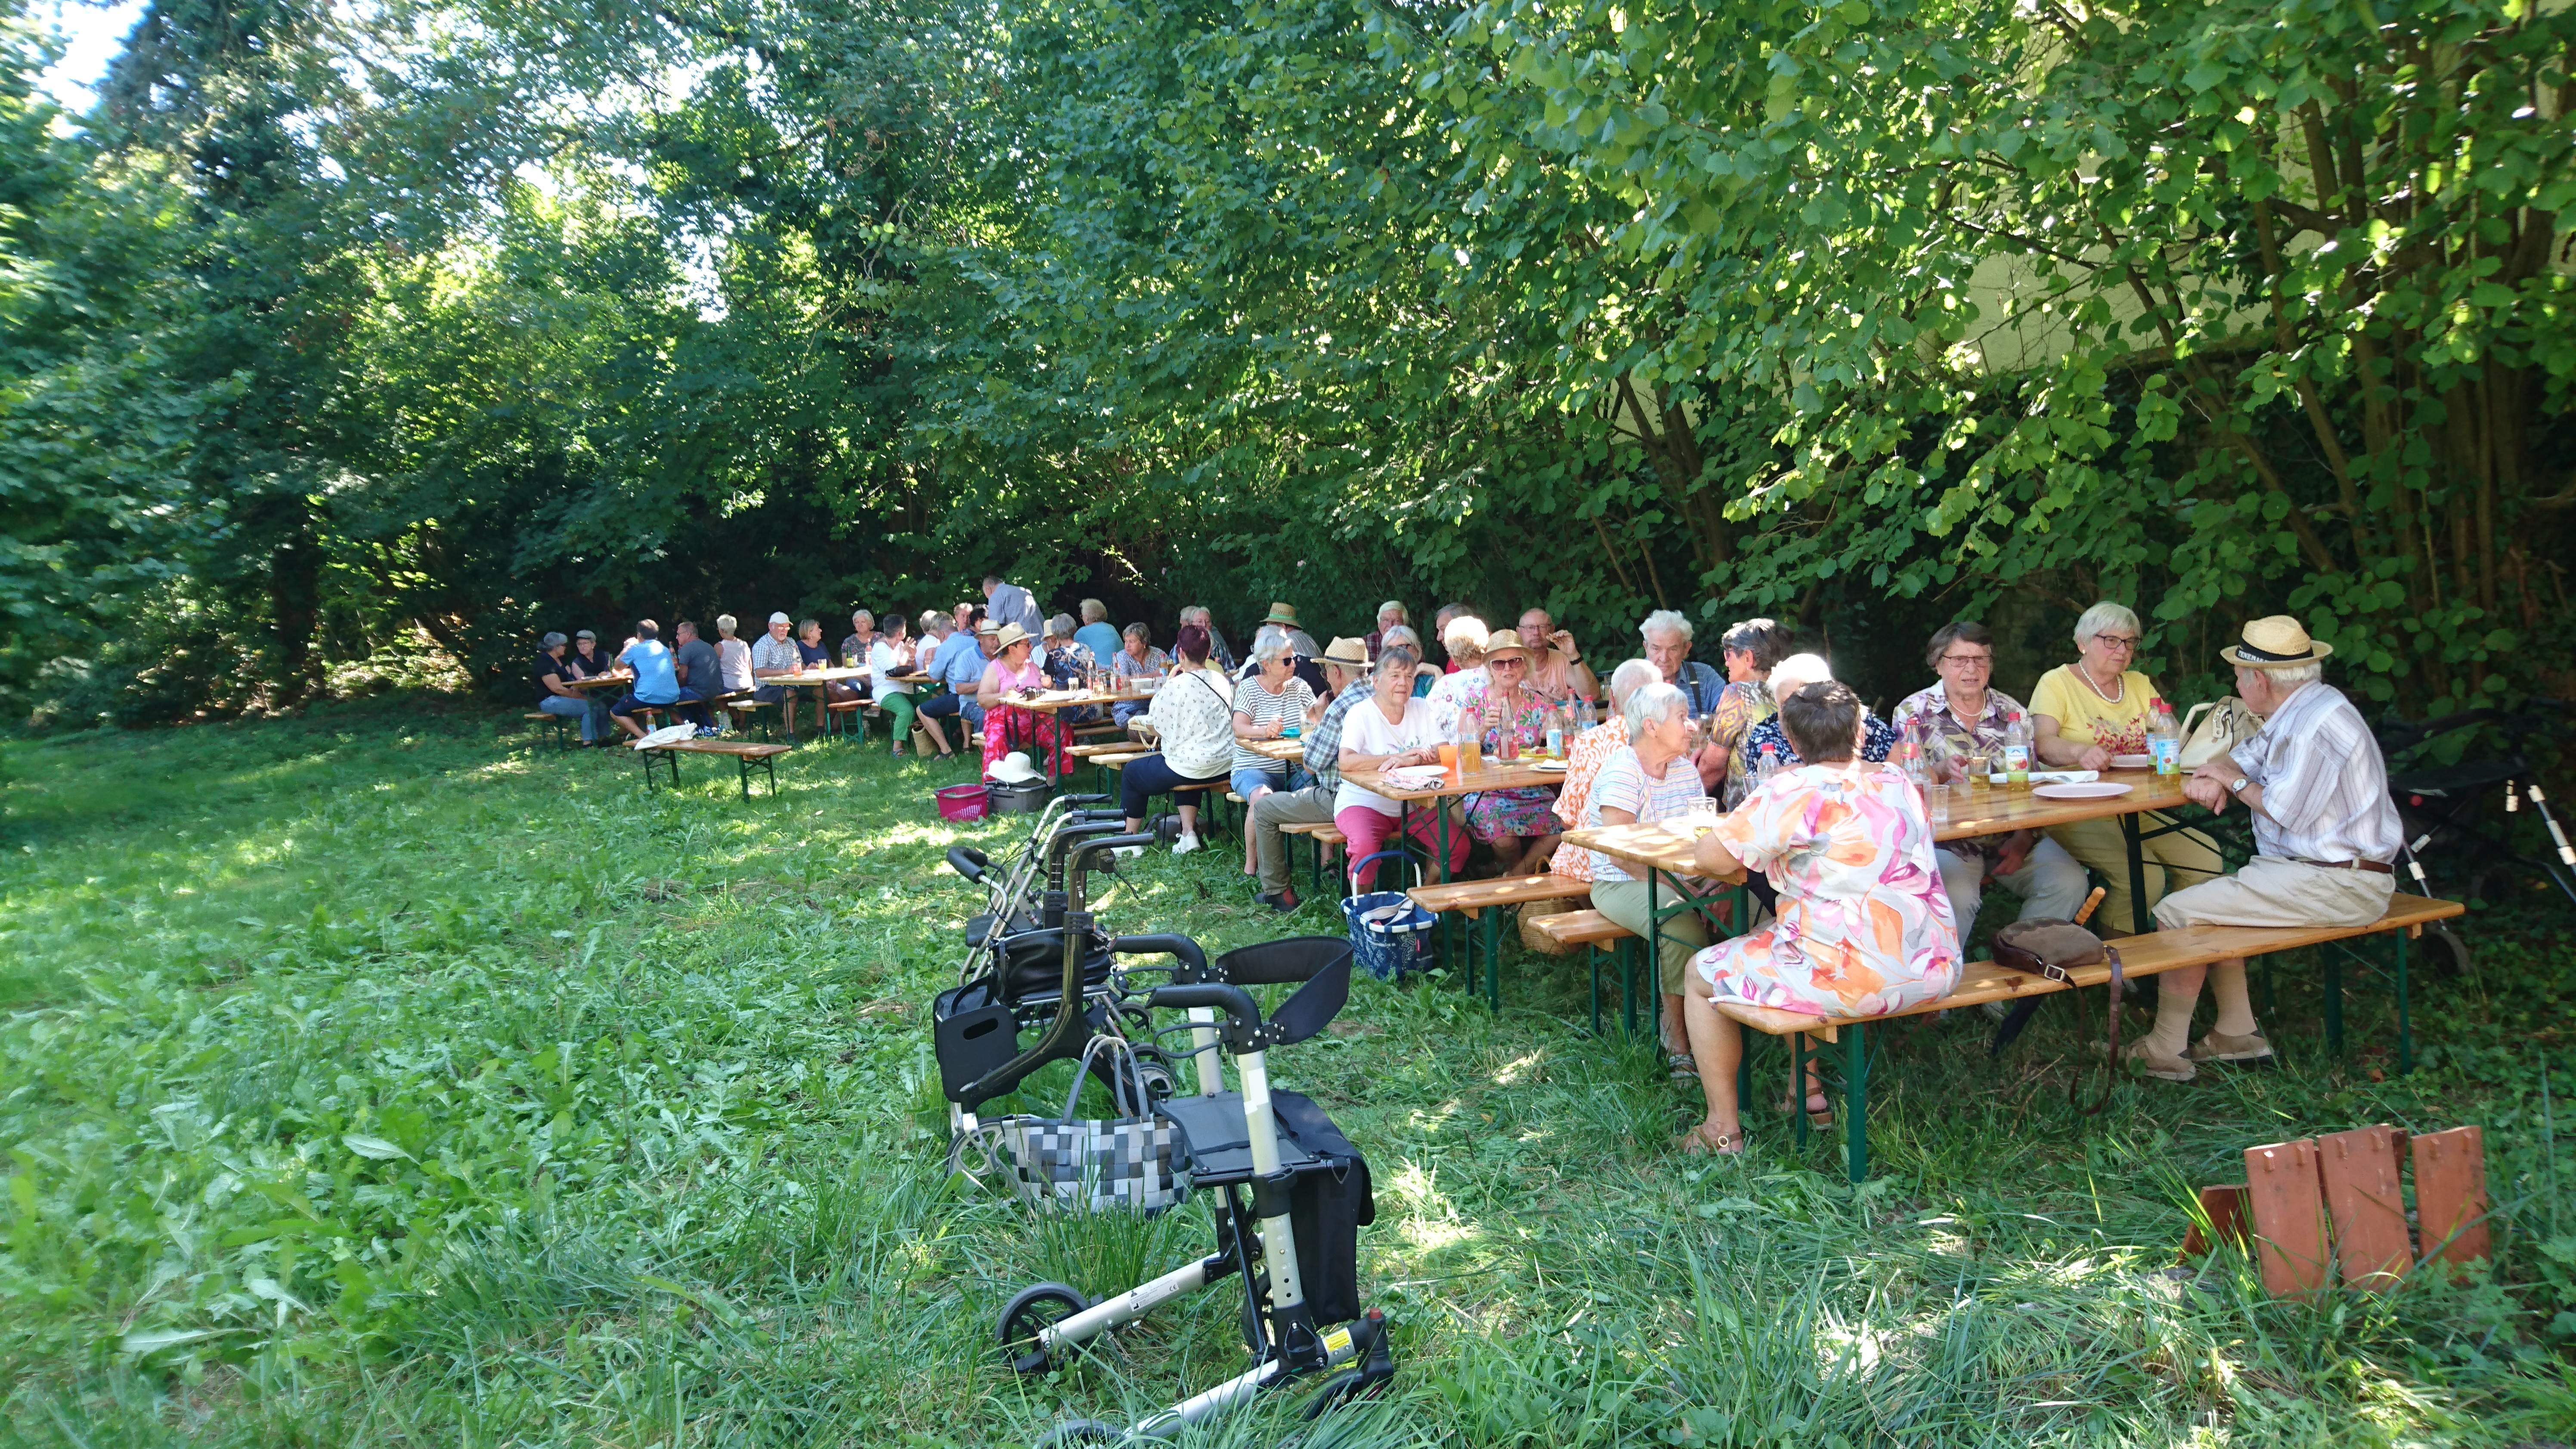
(774, 654)
(657, 682)
(2325, 834)
(1864, 925)
(552, 697)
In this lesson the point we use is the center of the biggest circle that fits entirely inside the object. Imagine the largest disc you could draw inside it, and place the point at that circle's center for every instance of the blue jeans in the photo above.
(571, 708)
(1121, 713)
(1247, 778)
(943, 705)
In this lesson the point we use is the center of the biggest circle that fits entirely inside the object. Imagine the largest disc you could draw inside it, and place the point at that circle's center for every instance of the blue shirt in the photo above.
(655, 682)
(963, 670)
(1703, 684)
(1100, 639)
(936, 666)
(1878, 740)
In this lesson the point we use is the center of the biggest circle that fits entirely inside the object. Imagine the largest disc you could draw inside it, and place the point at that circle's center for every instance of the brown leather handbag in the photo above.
(2052, 948)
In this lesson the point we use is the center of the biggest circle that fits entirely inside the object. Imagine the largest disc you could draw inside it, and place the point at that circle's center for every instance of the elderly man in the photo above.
(774, 654)
(1220, 653)
(1006, 603)
(1390, 615)
(960, 666)
(657, 682)
(1346, 671)
(1557, 670)
(1668, 644)
(2326, 837)
(1097, 634)
(695, 662)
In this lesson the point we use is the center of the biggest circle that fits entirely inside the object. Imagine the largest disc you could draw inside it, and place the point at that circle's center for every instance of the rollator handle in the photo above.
(1242, 1015)
(1082, 800)
(1194, 966)
(968, 862)
(1070, 1028)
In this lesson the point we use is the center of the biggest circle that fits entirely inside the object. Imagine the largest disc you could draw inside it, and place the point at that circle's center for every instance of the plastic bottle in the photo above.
(1471, 740)
(1556, 732)
(2016, 754)
(2164, 738)
(1769, 766)
(1908, 754)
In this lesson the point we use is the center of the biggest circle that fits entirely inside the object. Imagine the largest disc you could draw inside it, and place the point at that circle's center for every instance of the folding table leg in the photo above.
(2141, 919)
(1592, 959)
(2334, 1002)
(1798, 1087)
(2405, 1032)
(1856, 1101)
(742, 763)
(1493, 958)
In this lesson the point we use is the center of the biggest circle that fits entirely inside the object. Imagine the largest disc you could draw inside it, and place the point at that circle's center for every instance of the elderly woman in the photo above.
(1961, 705)
(1220, 653)
(1752, 649)
(1266, 706)
(1464, 638)
(1193, 719)
(1877, 736)
(2082, 714)
(1012, 677)
(1425, 673)
(733, 666)
(890, 654)
(1068, 665)
(1136, 659)
(1585, 756)
(1863, 928)
(1388, 730)
(1651, 778)
(1520, 824)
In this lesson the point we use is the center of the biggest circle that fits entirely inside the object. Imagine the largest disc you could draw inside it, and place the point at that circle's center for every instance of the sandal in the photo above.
(1698, 1142)
(1819, 1114)
(1681, 1066)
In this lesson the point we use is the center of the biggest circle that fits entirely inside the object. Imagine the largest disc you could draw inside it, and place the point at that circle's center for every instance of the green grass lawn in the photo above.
(380, 1079)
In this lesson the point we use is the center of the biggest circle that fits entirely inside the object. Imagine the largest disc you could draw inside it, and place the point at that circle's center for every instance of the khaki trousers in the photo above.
(1310, 806)
(1624, 901)
(2271, 891)
(2098, 845)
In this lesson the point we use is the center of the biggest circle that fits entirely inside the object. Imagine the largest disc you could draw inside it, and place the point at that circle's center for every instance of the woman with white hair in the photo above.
(1651, 778)
(1220, 653)
(1585, 754)
(1878, 737)
(1425, 673)
(1464, 638)
(2082, 714)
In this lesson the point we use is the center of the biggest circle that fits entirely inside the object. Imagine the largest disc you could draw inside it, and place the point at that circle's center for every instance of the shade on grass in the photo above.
(375, 1080)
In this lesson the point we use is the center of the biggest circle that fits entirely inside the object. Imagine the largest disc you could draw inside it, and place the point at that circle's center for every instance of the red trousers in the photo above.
(1365, 832)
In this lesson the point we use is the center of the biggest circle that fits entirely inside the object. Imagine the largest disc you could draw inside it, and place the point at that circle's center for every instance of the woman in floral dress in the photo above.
(1520, 824)
(1863, 927)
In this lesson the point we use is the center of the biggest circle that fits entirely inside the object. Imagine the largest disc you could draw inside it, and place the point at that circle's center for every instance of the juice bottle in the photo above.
(2016, 754)
(1471, 741)
(2164, 739)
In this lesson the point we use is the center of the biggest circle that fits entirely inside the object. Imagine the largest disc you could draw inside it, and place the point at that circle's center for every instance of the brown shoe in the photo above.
(2156, 1064)
(2219, 1047)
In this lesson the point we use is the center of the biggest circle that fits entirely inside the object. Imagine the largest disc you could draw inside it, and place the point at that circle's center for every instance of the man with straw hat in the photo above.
(2326, 837)
(1285, 616)
(1346, 671)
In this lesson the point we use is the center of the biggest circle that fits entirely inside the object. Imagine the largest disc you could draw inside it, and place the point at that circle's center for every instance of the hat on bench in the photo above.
(2275, 642)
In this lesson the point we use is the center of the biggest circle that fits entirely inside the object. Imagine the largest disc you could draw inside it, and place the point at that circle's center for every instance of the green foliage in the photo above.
(366, 1077)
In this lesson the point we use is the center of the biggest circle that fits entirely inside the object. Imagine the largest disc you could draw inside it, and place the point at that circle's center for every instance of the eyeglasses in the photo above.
(1970, 661)
(1508, 664)
(2125, 642)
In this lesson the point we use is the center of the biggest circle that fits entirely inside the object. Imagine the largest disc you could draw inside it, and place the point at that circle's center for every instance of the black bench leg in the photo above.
(1855, 1102)
(743, 764)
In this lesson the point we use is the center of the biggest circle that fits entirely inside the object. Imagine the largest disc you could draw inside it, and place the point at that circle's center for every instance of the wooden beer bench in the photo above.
(745, 754)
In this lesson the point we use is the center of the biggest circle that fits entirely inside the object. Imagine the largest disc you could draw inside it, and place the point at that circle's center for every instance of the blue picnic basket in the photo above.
(1390, 935)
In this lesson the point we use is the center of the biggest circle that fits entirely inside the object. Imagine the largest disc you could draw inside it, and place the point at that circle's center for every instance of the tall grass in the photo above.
(379, 1080)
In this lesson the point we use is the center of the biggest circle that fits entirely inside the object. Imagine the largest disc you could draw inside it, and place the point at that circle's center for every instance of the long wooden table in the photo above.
(1492, 775)
(1664, 851)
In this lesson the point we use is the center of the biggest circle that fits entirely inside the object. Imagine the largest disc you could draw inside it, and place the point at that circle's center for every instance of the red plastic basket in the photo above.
(962, 802)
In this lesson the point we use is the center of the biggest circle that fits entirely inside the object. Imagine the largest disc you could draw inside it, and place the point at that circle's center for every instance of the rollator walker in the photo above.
(1291, 1192)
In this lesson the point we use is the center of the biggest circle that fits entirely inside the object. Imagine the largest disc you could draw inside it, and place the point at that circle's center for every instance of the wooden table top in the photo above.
(813, 677)
(1494, 776)
(1087, 697)
(1286, 751)
(1666, 845)
(748, 749)
(597, 681)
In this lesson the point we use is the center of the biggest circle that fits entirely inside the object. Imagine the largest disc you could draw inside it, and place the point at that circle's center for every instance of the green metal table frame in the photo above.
(743, 763)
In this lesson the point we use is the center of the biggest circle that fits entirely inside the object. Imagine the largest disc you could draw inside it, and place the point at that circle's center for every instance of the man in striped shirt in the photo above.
(2326, 837)
(1346, 670)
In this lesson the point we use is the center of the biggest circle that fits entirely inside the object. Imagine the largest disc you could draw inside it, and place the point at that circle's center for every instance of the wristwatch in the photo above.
(2237, 787)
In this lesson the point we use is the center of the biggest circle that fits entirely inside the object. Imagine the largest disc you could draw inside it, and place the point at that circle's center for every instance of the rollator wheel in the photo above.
(2445, 954)
(1032, 1308)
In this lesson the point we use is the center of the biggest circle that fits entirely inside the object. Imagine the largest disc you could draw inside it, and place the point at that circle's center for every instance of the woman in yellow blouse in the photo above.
(2081, 714)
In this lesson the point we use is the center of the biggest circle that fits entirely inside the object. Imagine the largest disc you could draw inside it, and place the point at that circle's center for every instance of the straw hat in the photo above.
(1008, 635)
(1013, 768)
(1281, 614)
(1502, 642)
(2276, 642)
(1350, 653)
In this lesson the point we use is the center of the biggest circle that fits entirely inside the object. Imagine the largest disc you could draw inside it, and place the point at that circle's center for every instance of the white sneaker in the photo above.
(1127, 852)
(1185, 845)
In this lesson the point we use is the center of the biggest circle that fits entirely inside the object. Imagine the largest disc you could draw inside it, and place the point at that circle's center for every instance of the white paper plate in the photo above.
(1549, 765)
(2133, 762)
(2098, 790)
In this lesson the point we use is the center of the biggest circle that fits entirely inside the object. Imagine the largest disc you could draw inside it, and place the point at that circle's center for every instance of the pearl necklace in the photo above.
(2107, 696)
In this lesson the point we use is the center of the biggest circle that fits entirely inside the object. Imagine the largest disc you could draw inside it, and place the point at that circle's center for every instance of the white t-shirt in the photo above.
(884, 663)
(1365, 730)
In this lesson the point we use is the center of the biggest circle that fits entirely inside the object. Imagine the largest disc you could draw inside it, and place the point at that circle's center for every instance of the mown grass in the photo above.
(380, 1080)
